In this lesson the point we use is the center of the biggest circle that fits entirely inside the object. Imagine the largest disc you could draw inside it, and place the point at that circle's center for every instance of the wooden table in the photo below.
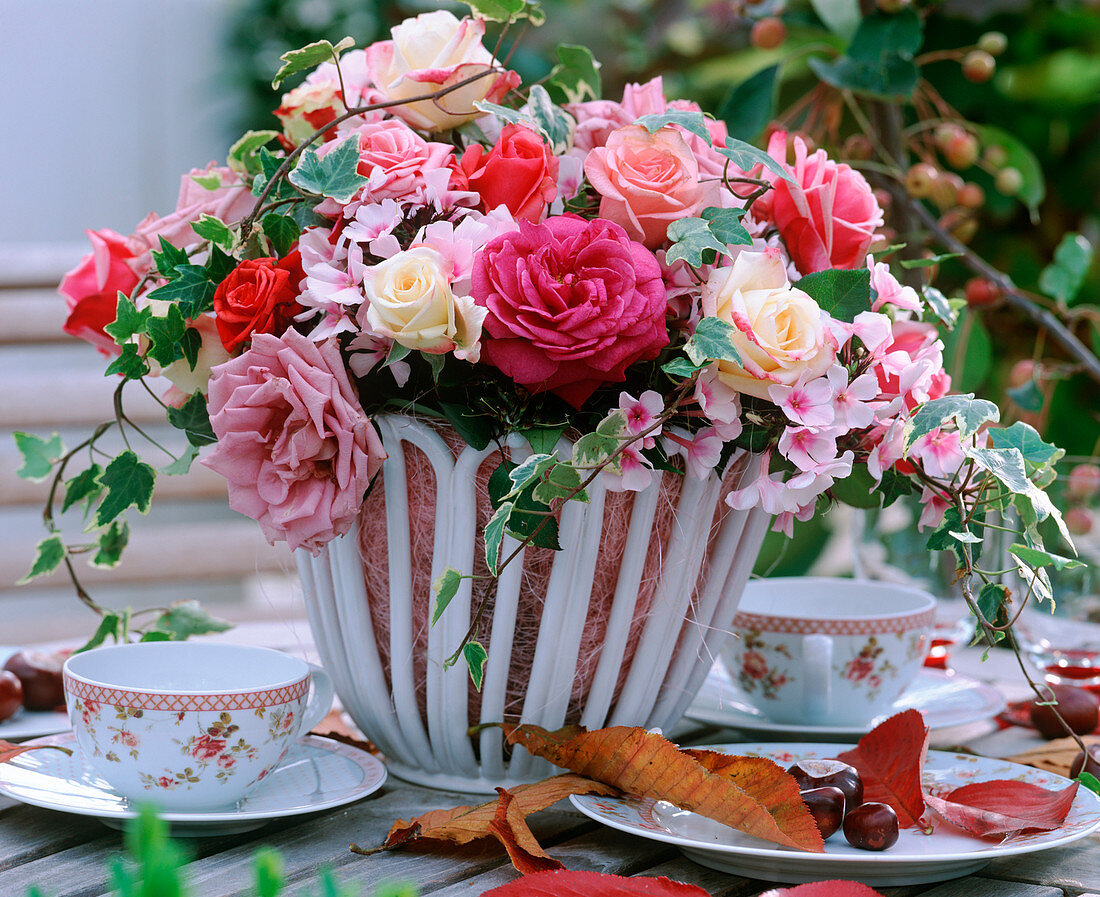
(67, 856)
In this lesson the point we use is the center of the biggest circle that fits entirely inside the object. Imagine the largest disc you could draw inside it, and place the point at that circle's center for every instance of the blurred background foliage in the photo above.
(1035, 82)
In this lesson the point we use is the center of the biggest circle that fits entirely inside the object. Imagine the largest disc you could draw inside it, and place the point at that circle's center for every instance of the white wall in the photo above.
(105, 103)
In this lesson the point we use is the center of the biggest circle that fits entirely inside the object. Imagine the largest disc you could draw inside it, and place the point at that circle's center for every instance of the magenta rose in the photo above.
(91, 289)
(293, 442)
(571, 305)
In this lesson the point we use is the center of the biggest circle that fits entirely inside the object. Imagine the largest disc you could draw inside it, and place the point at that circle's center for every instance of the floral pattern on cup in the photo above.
(756, 672)
(869, 667)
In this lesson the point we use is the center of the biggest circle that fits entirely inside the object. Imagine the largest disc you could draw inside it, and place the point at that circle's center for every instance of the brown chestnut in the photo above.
(1091, 765)
(872, 826)
(826, 805)
(1079, 708)
(11, 694)
(40, 674)
(834, 773)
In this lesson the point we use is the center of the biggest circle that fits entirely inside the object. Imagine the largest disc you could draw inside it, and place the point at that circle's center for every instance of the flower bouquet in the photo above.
(438, 311)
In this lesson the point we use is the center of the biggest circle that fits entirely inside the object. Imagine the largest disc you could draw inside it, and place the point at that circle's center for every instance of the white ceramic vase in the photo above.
(423, 727)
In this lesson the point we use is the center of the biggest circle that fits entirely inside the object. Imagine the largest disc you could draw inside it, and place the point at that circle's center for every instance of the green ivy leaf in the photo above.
(112, 541)
(190, 287)
(128, 482)
(475, 655)
(334, 175)
(942, 538)
(991, 599)
(1037, 557)
(49, 554)
(1027, 395)
(543, 440)
(194, 419)
(682, 367)
(745, 156)
(169, 258)
(476, 430)
(1023, 437)
(695, 122)
(445, 588)
(928, 262)
(108, 626)
(712, 341)
(1063, 277)
(165, 334)
(269, 164)
(941, 307)
(894, 485)
(726, 226)
(214, 229)
(857, 489)
(841, 293)
(308, 57)
(539, 114)
(190, 344)
(208, 181)
(85, 485)
(692, 240)
(128, 320)
(494, 535)
(576, 77)
(505, 10)
(282, 231)
(182, 464)
(128, 363)
(155, 635)
(967, 412)
(749, 107)
(186, 618)
(39, 455)
(879, 61)
(1089, 781)
(243, 155)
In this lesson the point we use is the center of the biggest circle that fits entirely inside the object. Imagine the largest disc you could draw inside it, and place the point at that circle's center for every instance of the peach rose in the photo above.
(781, 333)
(646, 181)
(309, 107)
(433, 51)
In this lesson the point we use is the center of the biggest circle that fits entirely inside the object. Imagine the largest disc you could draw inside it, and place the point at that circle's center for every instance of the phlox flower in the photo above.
(330, 286)
(720, 403)
(888, 450)
(808, 447)
(807, 403)
(373, 226)
(872, 329)
(459, 243)
(702, 453)
(939, 453)
(642, 413)
(767, 492)
(933, 508)
(821, 476)
(849, 409)
(889, 290)
(367, 350)
(784, 523)
(636, 475)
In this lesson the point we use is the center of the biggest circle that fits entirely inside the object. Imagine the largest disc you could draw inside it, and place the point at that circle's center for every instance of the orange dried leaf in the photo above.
(647, 765)
(9, 751)
(509, 827)
(890, 759)
(764, 781)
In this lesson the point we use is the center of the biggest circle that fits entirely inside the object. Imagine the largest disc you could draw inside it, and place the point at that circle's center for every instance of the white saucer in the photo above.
(27, 723)
(946, 699)
(317, 774)
(916, 858)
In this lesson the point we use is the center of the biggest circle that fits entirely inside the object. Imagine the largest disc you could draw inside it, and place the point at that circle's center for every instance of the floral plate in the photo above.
(916, 858)
(946, 699)
(317, 774)
(29, 723)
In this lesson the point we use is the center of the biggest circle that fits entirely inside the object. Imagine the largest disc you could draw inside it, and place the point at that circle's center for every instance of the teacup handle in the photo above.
(321, 694)
(817, 661)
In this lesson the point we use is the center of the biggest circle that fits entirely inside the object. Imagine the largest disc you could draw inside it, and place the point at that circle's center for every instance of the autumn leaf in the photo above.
(503, 819)
(9, 751)
(1004, 807)
(825, 889)
(764, 781)
(647, 765)
(588, 884)
(889, 760)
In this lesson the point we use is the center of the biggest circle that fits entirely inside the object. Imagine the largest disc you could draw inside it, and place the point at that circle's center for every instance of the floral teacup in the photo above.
(190, 726)
(827, 652)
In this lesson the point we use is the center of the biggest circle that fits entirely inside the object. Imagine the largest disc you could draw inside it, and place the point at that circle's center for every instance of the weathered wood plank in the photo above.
(1075, 866)
(976, 886)
(28, 834)
(715, 883)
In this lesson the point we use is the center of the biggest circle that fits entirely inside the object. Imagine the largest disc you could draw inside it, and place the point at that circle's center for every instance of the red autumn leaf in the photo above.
(825, 889)
(1003, 807)
(890, 759)
(764, 780)
(9, 751)
(647, 765)
(503, 819)
(591, 884)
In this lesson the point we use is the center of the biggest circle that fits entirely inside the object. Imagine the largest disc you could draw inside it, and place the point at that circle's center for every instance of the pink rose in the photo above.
(205, 747)
(828, 218)
(91, 289)
(433, 51)
(646, 181)
(571, 305)
(293, 442)
(397, 161)
(230, 202)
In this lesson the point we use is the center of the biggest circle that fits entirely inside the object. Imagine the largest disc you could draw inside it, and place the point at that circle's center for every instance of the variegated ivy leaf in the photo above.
(577, 75)
(529, 471)
(1007, 466)
(50, 552)
(560, 482)
(476, 656)
(942, 307)
(967, 412)
(335, 175)
(1038, 557)
(445, 588)
(243, 157)
(214, 229)
(310, 56)
(494, 535)
(746, 156)
(540, 114)
(1023, 437)
(712, 341)
(693, 242)
(39, 455)
(506, 10)
(695, 122)
(128, 482)
(593, 449)
(112, 541)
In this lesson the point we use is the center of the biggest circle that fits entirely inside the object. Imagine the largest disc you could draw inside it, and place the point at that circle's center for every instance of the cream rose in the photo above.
(781, 333)
(433, 51)
(411, 302)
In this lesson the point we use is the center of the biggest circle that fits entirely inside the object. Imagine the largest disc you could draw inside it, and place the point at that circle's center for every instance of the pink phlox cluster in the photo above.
(459, 243)
(330, 287)
(808, 402)
(642, 413)
(890, 291)
(720, 403)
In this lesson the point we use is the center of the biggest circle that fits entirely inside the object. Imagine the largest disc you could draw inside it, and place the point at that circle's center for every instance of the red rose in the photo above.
(91, 289)
(206, 748)
(519, 172)
(572, 304)
(258, 296)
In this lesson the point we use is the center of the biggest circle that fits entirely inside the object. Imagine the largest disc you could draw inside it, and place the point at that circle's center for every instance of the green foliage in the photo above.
(967, 413)
(193, 418)
(108, 626)
(750, 105)
(1037, 453)
(726, 226)
(191, 287)
(693, 242)
(334, 175)
(840, 292)
(39, 455)
(1018, 156)
(1062, 278)
(746, 156)
(49, 553)
(879, 61)
(83, 487)
(445, 588)
(214, 229)
(712, 341)
(165, 334)
(990, 600)
(1036, 557)
(183, 619)
(244, 154)
(695, 122)
(129, 364)
(539, 114)
(576, 77)
(842, 17)
(128, 320)
(111, 543)
(475, 655)
(128, 482)
(941, 306)
(281, 231)
(507, 10)
(310, 56)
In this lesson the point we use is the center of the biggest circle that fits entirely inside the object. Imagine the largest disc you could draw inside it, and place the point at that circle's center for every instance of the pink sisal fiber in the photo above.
(537, 564)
